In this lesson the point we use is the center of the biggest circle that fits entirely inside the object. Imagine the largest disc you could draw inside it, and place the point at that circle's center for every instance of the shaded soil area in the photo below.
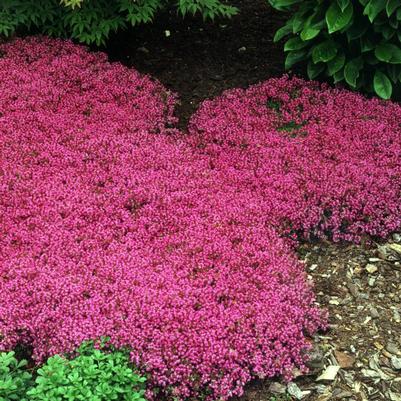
(359, 356)
(198, 60)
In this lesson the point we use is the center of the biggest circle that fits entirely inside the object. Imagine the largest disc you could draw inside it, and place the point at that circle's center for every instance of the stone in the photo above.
(295, 391)
(396, 362)
(315, 358)
(392, 348)
(374, 312)
(277, 388)
(329, 374)
(370, 268)
(344, 360)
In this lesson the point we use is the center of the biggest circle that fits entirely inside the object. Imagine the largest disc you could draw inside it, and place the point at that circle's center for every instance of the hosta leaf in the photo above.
(388, 53)
(282, 32)
(391, 6)
(294, 44)
(351, 71)
(382, 85)
(315, 69)
(373, 9)
(343, 4)
(324, 52)
(337, 19)
(309, 33)
(294, 57)
(336, 64)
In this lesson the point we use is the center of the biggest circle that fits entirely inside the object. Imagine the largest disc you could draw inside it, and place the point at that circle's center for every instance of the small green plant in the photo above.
(91, 21)
(93, 375)
(14, 378)
(357, 43)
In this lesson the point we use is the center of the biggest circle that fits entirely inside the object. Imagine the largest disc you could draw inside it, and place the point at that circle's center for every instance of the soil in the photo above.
(359, 285)
(200, 60)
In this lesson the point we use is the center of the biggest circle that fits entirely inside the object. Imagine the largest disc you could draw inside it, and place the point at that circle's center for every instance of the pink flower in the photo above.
(115, 225)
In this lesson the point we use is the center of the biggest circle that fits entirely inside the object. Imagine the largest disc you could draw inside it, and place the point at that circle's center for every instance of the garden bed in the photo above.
(117, 170)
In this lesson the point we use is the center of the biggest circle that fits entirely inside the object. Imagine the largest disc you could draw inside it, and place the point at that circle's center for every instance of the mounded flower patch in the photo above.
(113, 224)
(326, 162)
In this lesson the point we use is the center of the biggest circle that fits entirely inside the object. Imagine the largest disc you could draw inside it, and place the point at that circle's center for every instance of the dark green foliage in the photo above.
(91, 21)
(93, 374)
(357, 43)
(14, 378)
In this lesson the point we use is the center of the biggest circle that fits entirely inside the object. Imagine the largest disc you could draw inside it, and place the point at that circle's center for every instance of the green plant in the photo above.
(14, 378)
(354, 42)
(91, 21)
(93, 375)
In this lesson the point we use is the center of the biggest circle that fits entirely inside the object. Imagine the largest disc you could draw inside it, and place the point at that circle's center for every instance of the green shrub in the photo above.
(355, 42)
(91, 21)
(93, 375)
(14, 378)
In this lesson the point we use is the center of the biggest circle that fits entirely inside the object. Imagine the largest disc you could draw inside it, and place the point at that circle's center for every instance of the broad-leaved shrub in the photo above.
(94, 374)
(91, 21)
(356, 43)
(15, 380)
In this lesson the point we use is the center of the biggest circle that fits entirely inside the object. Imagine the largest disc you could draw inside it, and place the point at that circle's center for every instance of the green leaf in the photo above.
(382, 85)
(294, 57)
(352, 70)
(314, 69)
(373, 9)
(282, 32)
(335, 65)
(343, 4)
(283, 4)
(294, 44)
(324, 52)
(391, 6)
(337, 19)
(309, 33)
(388, 53)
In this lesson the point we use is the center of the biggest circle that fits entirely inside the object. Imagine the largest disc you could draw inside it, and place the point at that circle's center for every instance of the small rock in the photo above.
(392, 348)
(371, 268)
(371, 281)
(329, 374)
(395, 247)
(242, 49)
(394, 396)
(396, 316)
(344, 360)
(396, 362)
(277, 388)
(312, 267)
(315, 358)
(374, 312)
(216, 77)
(397, 237)
(295, 391)
(353, 289)
(142, 49)
(390, 252)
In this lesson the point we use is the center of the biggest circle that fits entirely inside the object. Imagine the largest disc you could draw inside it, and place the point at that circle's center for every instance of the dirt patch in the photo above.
(199, 60)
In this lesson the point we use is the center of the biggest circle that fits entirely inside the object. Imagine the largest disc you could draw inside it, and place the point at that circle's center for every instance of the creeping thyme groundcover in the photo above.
(180, 247)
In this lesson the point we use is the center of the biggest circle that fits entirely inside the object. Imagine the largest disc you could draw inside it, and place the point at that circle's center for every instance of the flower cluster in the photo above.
(112, 225)
(325, 162)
